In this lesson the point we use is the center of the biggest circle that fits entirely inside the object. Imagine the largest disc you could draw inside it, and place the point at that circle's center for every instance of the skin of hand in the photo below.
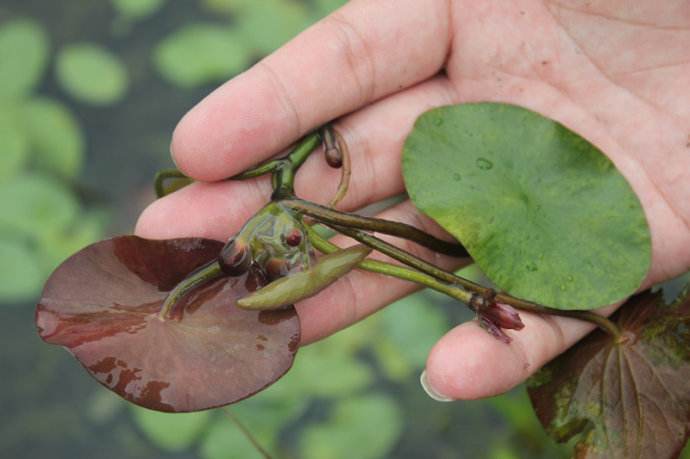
(615, 71)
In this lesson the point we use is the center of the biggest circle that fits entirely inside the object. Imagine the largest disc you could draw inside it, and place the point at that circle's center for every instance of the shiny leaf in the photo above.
(91, 74)
(199, 54)
(627, 400)
(23, 57)
(103, 303)
(542, 211)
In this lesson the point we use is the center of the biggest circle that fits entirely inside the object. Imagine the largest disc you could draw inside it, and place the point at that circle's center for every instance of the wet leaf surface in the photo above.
(102, 304)
(627, 400)
(543, 212)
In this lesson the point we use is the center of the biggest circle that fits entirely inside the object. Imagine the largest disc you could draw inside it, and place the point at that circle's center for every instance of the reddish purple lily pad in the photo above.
(102, 304)
(627, 400)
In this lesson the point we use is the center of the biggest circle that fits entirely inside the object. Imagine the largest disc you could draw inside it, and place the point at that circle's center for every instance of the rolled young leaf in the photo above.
(301, 285)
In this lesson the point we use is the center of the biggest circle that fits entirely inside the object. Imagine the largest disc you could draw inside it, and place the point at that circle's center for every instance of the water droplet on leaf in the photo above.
(484, 164)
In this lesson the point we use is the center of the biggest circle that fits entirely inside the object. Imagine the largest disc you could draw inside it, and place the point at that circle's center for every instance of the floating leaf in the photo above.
(199, 54)
(226, 6)
(34, 205)
(627, 400)
(365, 427)
(168, 431)
(23, 57)
(266, 25)
(103, 303)
(20, 275)
(226, 441)
(91, 74)
(56, 138)
(325, 7)
(409, 329)
(14, 144)
(543, 212)
(137, 9)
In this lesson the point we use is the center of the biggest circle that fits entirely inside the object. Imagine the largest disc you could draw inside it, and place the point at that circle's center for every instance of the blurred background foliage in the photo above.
(89, 95)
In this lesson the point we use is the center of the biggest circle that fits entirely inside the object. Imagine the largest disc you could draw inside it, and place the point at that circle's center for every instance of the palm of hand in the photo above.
(617, 74)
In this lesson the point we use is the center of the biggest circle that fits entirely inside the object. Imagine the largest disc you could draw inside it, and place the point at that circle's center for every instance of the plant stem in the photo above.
(402, 230)
(202, 275)
(284, 174)
(400, 272)
(248, 435)
(440, 274)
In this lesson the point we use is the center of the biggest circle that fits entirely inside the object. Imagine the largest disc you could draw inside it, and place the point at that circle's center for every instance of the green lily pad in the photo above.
(171, 431)
(266, 25)
(91, 74)
(35, 205)
(542, 211)
(137, 9)
(365, 427)
(23, 56)
(199, 54)
(407, 330)
(56, 138)
(14, 144)
(20, 276)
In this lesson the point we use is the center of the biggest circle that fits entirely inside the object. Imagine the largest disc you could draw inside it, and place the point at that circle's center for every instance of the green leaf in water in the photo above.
(265, 26)
(34, 205)
(56, 138)
(170, 431)
(23, 56)
(365, 427)
(542, 211)
(91, 74)
(409, 327)
(137, 9)
(20, 276)
(199, 54)
(14, 143)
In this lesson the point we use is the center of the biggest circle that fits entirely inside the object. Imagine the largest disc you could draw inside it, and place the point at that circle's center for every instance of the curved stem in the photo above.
(400, 272)
(440, 274)
(202, 275)
(163, 175)
(402, 230)
(346, 168)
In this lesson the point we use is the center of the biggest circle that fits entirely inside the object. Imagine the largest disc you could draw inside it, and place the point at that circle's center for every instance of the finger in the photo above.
(357, 55)
(361, 293)
(375, 136)
(468, 363)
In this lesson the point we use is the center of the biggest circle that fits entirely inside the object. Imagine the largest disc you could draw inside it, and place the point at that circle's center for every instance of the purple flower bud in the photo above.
(503, 316)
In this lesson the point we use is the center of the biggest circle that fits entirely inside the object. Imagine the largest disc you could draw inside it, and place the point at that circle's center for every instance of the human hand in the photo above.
(617, 75)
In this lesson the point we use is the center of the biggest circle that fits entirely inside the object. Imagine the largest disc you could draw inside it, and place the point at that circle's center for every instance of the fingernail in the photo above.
(424, 381)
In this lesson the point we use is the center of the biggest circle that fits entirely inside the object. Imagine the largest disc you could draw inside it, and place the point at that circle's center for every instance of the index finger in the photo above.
(360, 53)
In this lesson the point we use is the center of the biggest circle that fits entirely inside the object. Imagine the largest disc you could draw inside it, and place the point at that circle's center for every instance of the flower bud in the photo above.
(235, 258)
